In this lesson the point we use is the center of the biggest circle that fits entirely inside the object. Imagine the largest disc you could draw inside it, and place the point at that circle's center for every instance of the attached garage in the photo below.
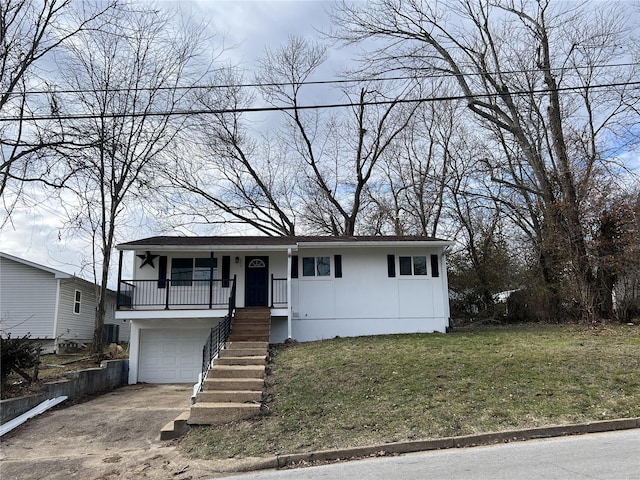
(170, 355)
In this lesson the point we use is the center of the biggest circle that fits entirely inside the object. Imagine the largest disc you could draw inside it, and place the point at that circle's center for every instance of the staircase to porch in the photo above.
(234, 385)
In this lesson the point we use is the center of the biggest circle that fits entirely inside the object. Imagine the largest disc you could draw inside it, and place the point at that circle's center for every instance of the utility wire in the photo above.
(309, 82)
(88, 116)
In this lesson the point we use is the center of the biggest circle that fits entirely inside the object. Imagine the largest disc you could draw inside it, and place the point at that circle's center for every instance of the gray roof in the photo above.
(279, 242)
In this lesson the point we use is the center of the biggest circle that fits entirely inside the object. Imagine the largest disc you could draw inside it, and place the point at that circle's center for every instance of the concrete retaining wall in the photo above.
(110, 375)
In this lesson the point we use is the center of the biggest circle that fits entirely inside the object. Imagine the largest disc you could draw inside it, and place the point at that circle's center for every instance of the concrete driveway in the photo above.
(115, 435)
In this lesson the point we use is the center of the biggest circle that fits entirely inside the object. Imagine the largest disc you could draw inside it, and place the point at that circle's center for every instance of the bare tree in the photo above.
(29, 32)
(230, 174)
(416, 185)
(340, 152)
(129, 83)
(541, 82)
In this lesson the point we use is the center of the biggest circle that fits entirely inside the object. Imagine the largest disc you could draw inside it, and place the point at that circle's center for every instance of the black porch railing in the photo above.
(174, 293)
(218, 336)
(278, 291)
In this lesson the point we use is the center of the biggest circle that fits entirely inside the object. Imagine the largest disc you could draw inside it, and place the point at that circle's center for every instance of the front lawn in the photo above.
(371, 390)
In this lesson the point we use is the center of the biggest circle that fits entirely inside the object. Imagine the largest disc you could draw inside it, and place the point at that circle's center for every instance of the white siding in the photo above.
(72, 326)
(27, 300)
(366, 301)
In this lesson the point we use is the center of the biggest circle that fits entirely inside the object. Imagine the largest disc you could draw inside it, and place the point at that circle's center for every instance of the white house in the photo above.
(54, 307)
(315, 287)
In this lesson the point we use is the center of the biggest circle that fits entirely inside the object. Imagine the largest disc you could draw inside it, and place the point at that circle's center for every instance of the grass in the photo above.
(371, 390)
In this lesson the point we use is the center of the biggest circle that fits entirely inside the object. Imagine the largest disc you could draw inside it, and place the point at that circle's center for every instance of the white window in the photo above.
(185, 271)
(316, 266)
(77, 298)
(413, 265)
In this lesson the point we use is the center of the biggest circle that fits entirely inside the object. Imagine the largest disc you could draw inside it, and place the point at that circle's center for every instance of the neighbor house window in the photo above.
(76, 301)
(184, 271)
(316, 266)
(416, 265)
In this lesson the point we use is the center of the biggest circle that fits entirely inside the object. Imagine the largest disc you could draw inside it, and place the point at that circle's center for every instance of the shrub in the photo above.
(19, 355)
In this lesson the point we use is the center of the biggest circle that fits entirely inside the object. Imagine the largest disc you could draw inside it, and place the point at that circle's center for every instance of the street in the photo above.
(603, 456)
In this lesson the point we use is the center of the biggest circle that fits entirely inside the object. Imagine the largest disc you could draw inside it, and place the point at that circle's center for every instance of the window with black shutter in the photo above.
(435, 266)
(391, 265)
(337, 263)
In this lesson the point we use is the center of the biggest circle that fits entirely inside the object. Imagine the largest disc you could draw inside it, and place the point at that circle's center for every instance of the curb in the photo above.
(296, 459)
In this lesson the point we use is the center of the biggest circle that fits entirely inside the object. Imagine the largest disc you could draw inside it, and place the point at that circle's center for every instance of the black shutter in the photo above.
(226, 270)
(435, 270)
(391, 265)
(337, 260)
(294, 266)
(162, 272)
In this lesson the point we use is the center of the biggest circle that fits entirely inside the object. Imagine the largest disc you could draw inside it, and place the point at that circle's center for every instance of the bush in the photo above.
(19, 355)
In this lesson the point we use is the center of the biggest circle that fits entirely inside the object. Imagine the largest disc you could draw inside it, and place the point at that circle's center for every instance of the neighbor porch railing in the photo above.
(218, 337)
(278, 292)
(169, 293)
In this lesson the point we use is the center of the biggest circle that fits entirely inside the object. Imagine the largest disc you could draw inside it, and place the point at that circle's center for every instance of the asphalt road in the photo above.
(602, 456)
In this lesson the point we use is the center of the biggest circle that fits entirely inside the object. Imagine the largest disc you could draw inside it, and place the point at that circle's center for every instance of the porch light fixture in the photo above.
(237, 259)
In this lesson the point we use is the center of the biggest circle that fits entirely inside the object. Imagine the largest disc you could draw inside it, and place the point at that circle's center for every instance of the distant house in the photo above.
(54, 307)
(313, 287)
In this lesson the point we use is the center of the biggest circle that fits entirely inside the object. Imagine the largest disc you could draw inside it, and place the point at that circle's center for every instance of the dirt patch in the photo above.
(111, 436)
(52, 368)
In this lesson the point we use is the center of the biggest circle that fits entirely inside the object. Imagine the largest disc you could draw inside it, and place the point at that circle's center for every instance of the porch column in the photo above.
(289, 308)
(119, 279)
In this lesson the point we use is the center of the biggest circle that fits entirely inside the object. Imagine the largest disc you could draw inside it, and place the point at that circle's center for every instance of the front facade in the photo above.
(315, 287)
(55, 308)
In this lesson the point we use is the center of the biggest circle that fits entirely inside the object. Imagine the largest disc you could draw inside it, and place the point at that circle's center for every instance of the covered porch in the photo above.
(178, 279)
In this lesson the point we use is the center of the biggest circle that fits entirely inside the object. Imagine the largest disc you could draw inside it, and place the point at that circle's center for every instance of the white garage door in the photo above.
(171, 355)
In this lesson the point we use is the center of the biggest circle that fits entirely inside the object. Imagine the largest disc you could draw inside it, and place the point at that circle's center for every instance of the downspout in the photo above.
(55, 317)
(289, 307)
(445, 289)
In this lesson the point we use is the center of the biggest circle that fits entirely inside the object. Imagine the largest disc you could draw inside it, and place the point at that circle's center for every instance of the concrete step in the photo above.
(243, 345)
(221, 413)
(240, 335)
(250, 324)
(235, 396)
(249, 337)
(253, 384)
(242, 352)
(254, 360)
(252, 311)
(266, 320)
(237, 371)
(251, 327)
(176, 428)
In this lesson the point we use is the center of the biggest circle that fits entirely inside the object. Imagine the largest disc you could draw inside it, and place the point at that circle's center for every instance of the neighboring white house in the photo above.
(316, 288)
(54, 307)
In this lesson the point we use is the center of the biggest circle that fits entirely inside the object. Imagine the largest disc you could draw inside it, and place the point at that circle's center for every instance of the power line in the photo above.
(89, 116)
(309, 82)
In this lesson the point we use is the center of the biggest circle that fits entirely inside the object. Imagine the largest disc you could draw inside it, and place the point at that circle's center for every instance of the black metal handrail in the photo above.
(218, 336)
(278, 291)
(174, 293)
(215, 342)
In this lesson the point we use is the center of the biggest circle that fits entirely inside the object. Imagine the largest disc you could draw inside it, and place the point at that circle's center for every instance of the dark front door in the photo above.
(256, 283)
